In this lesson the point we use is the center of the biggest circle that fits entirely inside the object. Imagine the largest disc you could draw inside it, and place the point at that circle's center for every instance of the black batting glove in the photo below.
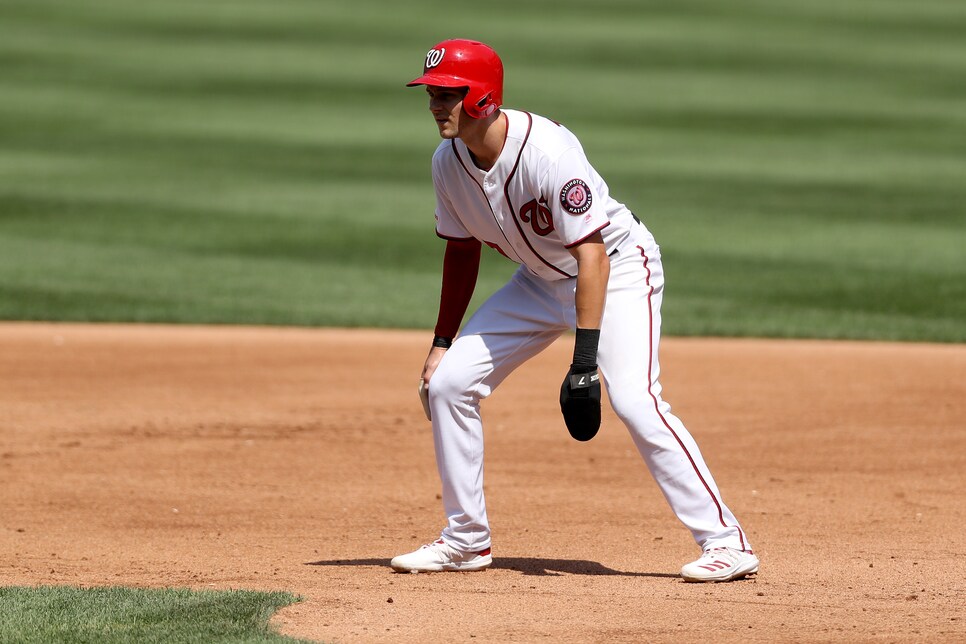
(580, 391)
(580, 401)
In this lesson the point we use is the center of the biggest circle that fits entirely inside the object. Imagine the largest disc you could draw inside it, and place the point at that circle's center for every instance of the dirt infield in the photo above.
(291, 459)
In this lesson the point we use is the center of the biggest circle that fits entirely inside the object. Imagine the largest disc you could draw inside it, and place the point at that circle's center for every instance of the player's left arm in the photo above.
(580, 391)
(593, 273)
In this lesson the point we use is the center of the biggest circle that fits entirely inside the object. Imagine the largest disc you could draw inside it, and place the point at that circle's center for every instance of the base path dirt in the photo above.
(299, 460)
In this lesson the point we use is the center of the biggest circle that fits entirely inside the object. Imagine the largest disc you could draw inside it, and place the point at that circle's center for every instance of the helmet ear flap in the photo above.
(483, 107)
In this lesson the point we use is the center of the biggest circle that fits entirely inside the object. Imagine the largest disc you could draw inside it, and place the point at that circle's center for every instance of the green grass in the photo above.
(104, 615)
(803, 165)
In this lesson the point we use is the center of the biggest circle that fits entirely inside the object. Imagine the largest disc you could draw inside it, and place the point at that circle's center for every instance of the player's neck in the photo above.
(485, 139)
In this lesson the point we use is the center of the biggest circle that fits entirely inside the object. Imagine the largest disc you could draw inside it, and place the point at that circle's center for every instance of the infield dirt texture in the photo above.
(246, 162)
(299, 460)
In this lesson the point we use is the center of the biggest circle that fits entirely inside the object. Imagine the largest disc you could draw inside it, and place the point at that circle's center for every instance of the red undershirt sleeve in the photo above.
(461, 266)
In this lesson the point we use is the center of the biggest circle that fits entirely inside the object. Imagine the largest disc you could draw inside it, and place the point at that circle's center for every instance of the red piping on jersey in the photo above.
(448, 238)
(650, 363)
(583, 239)
(456, 151)
(506, 193)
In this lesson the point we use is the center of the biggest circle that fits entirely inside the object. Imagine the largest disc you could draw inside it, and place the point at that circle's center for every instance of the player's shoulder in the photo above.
(545, 136)
(443, 151)
(444, 156)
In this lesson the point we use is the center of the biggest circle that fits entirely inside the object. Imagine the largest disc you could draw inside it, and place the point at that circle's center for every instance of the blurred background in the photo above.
(802, 164)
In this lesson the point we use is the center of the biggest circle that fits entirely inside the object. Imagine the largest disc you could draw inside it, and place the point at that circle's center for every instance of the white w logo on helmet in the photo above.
(435, 57)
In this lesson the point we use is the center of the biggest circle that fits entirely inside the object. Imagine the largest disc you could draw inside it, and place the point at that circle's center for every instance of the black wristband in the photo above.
(585, 346)
(440, 341)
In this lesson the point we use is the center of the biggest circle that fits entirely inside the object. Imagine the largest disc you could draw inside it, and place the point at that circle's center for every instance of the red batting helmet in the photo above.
(470, 64)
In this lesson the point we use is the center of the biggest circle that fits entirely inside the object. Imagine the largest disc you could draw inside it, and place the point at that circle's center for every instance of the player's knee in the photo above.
(451, 384)
(644, 415)
(632, 403)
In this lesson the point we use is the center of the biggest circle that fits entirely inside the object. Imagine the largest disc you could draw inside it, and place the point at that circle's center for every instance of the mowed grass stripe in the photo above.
(242, 162)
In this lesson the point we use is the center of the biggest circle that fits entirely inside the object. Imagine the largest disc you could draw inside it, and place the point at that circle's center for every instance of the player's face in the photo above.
(446, 105)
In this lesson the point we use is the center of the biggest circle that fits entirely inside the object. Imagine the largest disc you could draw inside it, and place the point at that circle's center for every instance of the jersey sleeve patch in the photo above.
(575, 197)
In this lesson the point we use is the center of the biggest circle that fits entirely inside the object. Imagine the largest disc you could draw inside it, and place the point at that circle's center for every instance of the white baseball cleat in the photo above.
(439, 557)
(721, 564)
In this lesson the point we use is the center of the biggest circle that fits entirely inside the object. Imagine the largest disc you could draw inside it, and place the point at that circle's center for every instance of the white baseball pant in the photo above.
(523, 318)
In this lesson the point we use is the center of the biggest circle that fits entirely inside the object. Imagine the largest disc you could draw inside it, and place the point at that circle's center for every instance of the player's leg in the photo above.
(628, 358)
(514, 324)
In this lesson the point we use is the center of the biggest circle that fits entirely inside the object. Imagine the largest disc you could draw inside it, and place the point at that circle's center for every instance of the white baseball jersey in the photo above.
(530, 216)
(541, 197)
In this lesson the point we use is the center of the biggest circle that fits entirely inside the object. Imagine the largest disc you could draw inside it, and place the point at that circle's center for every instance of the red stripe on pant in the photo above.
(650, 364)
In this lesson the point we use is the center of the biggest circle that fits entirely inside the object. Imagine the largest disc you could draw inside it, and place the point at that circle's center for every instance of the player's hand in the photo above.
(429, 368)
(432, 361)
(580, 401)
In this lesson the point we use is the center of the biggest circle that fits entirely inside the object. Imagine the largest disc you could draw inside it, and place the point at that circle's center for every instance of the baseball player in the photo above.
(521, 184)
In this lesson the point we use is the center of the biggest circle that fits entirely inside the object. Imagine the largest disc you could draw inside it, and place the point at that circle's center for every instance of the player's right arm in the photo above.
(461, 266)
